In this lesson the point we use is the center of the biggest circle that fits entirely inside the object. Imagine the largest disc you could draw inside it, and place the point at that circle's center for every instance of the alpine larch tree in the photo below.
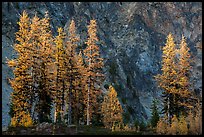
(155, 114)
(94, 76)
(177, 84)
(71, 70)
(35, 57)
(186, 97)
(21, 83)
(79, 95)
(59, 74)
(111, 109)
(45, 63)
(168, 79)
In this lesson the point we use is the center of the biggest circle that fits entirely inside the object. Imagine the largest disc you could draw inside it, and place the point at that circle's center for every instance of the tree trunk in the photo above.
(69, 105)
(168, 111)
(55, 115)
(88, 118)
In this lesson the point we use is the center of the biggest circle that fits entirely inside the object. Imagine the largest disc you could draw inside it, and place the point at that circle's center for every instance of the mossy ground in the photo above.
(64, 130)
(90, 130)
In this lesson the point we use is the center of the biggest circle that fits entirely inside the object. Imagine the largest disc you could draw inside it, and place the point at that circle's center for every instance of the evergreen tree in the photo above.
(79, 95)
(167, 79)
(194, 120)
(21, 83)
(71, 70)
(59, 75)
(174, 79)
(35, 57)
(185, 96)
(111, 109)
(45, 73)
(155, 114)
(94, 65)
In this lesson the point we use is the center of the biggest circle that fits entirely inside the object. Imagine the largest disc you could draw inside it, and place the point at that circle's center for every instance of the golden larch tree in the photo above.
(35, 57)
(162, 126)
(168, 80)
(71, 70)
(94, 65)
(46, 62)
(191, 121)
(111, 109)
(59, 74)
(42, 58)
(182, 126)
(79, 85)
(184, 77)
(21, 83)
(195, 120)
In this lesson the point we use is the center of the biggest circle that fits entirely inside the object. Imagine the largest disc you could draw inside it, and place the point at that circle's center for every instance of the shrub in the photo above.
(26, 120)
(126, 117)
(106, 86)
(14, 122)
(161, 127)
(182, 126)
(130, 110)
(129, 81)
(142, 126)
(173, 129)
(136, 123)
(124, 100)
(122, 127)
(58, 118)
(113, 69)
(155, 114)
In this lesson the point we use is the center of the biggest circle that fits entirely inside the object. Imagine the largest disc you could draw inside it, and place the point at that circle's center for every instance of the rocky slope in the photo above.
(131, 35)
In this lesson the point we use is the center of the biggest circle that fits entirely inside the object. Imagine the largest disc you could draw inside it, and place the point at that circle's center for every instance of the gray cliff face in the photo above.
(131, 36)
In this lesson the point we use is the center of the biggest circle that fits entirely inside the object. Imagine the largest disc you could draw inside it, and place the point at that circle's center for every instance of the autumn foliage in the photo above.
(93, 75)
(49, 71)
(22, 80)
(174, 79)
(112, 110)
(59, 75)
(178, 100)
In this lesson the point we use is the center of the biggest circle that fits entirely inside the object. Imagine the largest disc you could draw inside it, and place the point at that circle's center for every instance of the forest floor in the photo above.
(72, 130)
